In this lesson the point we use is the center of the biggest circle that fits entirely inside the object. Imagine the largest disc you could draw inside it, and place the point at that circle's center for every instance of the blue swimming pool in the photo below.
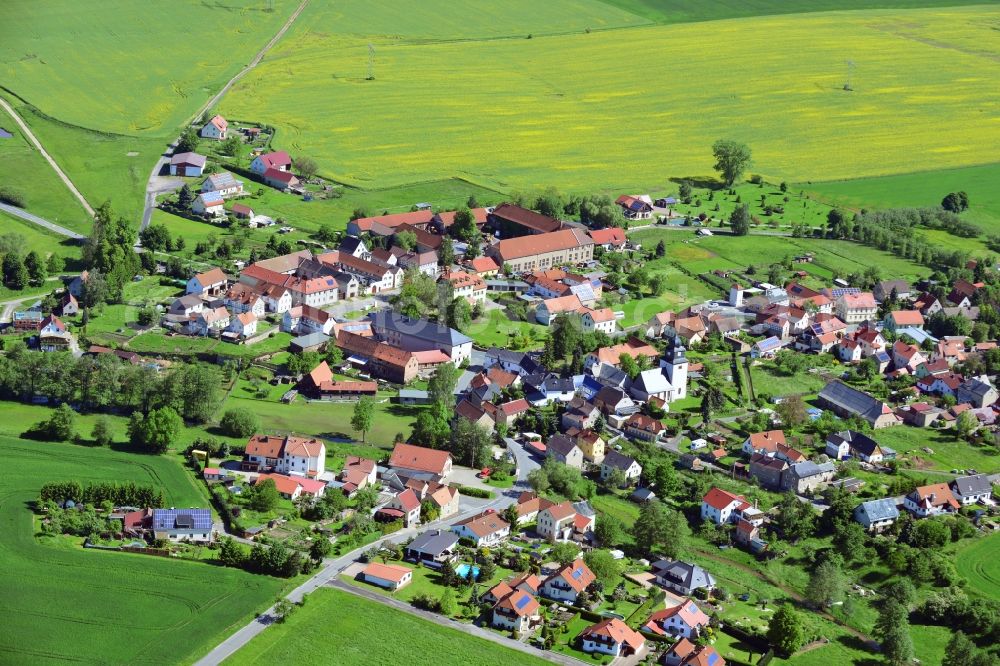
(463, 570)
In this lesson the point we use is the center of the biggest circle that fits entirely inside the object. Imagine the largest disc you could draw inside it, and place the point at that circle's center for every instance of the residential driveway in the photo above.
(466, 476)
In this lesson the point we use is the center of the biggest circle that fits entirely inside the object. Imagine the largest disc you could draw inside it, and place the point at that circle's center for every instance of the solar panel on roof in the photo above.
(522, 602)
(577, 573)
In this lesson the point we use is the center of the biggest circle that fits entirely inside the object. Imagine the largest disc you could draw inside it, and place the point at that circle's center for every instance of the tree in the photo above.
(155, 237)
(156, 431)
(606, 568)
(441, 387)
(955, 202)
(60, 426)
(459, 314)
(306, 167)
(661, 250)
(15, 275)
(231, 554)
(616, 479)
(731, 160)
(321, 547)
(657, 284)
(792, 411)
(36, 268)
(231, 146)
(364, 416)
(966, 424)
(471, 444)
(447, 252)
(447, 602)
(796, 519)
(406, 240)
(960, 651)
(538, 479)
(464, 225)
(826, 585)
(109, 249)
(564, 552)
(188, 142)
(658, 529)
(101, 433)
(239, 422)
(185, 196)
(739, 220)
(265, 496)
(785, 631)
(893, 627)
(609, 531)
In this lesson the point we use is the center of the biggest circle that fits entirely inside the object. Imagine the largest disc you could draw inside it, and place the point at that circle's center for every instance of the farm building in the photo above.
(187, 164)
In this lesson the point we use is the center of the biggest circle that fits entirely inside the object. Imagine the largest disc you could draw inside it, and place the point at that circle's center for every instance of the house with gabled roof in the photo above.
(542, 251)
(209, 204)
(682, 577)
(516, 611)
(433, 548)
(627, 465)
(411, 459)
(876, 515)
(279, 161)
(209, 321)
(931, 500)
(182, 524)
(559, 522)
(646, 428)
(721, 507)
(293, 487)
(285, 455)
(243, 325)
(224, 183)
(216, 129)
(563, 449)
(685, 620)
(846, 401)
(635, 207)
(845, 443)
(528, 505)
(484, 529)
(390, 576)
(612, 636)
(686, 653)
(568, 582)
(187, 164)
(610, 238)
(514, 221)
(975, 489)
(977, 391)
(408, 504)
(210, 283)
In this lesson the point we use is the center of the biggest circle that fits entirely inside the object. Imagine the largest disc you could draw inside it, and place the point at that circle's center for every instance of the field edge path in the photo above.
(41, 221)
(48, 158)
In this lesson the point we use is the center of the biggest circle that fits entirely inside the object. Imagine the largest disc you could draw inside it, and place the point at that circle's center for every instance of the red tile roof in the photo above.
(719, 499)
(419, 458)
(392, 572)
(612, 235)
(617, 631)
(528, 246)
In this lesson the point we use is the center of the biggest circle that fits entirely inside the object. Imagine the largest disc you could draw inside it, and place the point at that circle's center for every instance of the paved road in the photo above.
(465, 628)
(42, 222)
(155, 185)
(48, 158)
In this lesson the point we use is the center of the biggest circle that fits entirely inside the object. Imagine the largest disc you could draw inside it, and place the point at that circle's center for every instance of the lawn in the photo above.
(921, 189)
(766, 379)
(977, 561)
(949, 452)
(33, 237)
(23, 169)
(915, 71)
(359, 637)
(64, 604)
(495, 330)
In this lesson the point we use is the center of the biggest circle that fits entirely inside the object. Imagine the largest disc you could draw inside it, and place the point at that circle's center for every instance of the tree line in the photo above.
(119, 493)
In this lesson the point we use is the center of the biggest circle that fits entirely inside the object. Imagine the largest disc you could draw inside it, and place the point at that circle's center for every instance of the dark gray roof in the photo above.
(189, 519)
(858, 441)
(560, 444)
(807, 468)
(972, 485)
(617, 460)
(420, 329)
(434, 542)
(975, 386)
(350, 244)
(689, 576)
(609, 375)
(852, 400)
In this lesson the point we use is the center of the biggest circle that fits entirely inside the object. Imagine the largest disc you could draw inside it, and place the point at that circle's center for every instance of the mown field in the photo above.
(645, 88)
(978, 562)
(65, 604)
(34, 237)
(321, 629)
(24, 170)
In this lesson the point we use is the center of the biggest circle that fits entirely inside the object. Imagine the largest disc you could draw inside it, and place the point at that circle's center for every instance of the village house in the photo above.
(612, 636)
(931, 500)
(420, 335)
(856, 308)
(682, 577)
(686, 653)
(279, 161)
(207, 322)
(547, 311)
(176, 525)
(610, 238)
(806, 477)
(976, 489)
(217, 129)
(224, 183)
(538, 252)
(484, 267)
(243, 212)
(446, 500)
(580, 414)
(293, 487)
(627, 465)
(407, 504)
(423, 220)
(876, 515)
(417, 460)
(721, 507)
(768, 470)
(900, 319)
(635, 207)
(285, 455)
(53, 335)
(242, 298)
(187, 164)
(645, 428)
(280, 180)
(685, 620)
(563, 449)
(528, 505)
(467, 286)
(390, 576)
(602, 320)
(357, 474)
(68, 305)
(433, 548)
(977, 391)
(883, 290)
(568, 582)
(485, 529)
(210, 204)
(381, 359)
(305, 319)
(243, 325)
(591, 444)
(212, 282)
(517, 611)
(633, 347)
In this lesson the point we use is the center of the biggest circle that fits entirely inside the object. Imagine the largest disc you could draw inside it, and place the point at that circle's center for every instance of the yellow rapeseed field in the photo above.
(630, 107)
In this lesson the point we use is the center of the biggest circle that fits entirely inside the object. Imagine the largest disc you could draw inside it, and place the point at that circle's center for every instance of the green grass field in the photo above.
(949, 452)
(369, 634)
(64, 604)
(977, 561)
(917, 68)
(22, 168)
(41, 240)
